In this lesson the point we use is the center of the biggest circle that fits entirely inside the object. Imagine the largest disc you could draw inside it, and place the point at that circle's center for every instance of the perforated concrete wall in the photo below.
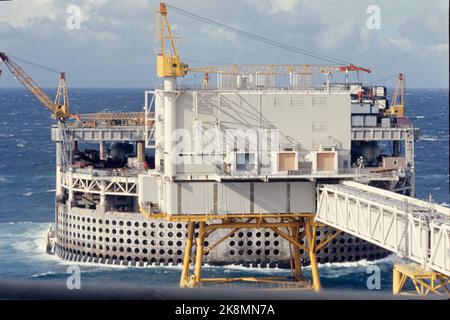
(131, 239)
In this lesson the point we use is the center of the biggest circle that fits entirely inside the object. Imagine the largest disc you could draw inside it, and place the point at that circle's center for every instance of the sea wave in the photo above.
(430, 138)
(43, 274)
(4, 180)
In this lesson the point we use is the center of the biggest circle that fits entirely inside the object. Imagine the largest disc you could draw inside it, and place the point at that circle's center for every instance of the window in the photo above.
(297, 102)
(277, 101)
(245, 161)
(320, 101)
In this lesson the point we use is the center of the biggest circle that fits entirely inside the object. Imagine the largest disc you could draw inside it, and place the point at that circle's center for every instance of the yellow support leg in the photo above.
(199, 255)
(424, 281)
(310, 237)
(296, 255)
(187, 256)
(396, 281)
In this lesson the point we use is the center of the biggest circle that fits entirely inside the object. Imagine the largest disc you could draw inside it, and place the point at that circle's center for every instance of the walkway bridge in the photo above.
(415, 230)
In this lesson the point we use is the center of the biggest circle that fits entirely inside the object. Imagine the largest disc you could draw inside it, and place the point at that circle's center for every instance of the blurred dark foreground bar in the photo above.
(11, 289)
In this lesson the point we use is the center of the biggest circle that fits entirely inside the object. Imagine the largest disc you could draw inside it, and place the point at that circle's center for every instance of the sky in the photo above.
(114, 45)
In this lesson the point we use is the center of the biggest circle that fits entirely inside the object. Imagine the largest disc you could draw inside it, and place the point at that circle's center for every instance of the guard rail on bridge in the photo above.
(413, 229)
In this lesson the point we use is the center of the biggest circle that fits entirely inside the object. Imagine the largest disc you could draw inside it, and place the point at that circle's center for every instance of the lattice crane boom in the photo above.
(280, 69)
(59, 108)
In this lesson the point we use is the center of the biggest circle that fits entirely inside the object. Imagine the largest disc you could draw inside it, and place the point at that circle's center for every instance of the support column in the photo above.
(102, 204)
(101, 149)
(74, 146)
(296, 254)
(140, 146)
(59, 193)
(70, 182)
(59, 188)
(159, 131)
(396, 281)
(310, 236)
(170, 84)
(396, 148)
(199, 254)
(184, 280)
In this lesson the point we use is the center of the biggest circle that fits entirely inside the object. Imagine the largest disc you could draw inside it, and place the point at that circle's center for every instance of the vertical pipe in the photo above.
(187, 255)
(312, 255)
(199, 254)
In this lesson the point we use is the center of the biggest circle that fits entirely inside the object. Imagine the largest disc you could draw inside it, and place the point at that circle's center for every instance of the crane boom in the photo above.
(59, 111)
(270, 69)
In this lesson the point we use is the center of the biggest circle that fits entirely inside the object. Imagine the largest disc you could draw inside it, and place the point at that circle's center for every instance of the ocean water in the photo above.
(27, 177)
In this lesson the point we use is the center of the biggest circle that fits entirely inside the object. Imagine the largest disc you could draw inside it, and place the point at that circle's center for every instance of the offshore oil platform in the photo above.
(258, 165)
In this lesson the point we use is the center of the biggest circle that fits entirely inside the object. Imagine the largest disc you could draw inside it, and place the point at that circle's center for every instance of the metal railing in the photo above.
(351, 172)
(110, 172)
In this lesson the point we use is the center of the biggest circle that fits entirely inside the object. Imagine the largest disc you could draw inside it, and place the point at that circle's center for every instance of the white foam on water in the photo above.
(27, 240)
(236, 267)
(43, 274)
(4, 180)
(429, 138)
(355, 264)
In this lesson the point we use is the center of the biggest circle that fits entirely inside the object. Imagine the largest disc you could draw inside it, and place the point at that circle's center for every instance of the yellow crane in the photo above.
(397, 106)
(59, 108)
(168, 64)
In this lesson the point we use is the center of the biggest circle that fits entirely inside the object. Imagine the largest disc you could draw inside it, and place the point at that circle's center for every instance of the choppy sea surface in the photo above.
(27, 178)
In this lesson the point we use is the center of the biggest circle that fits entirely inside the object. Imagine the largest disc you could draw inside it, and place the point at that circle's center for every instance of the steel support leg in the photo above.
(396, 281)
(199, 254)
(184, 280)
(296, 254)
(310, 236)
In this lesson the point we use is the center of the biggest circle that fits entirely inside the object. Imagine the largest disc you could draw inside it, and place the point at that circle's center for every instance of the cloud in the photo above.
(275, 6)
(115, 45)
(339, 36)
